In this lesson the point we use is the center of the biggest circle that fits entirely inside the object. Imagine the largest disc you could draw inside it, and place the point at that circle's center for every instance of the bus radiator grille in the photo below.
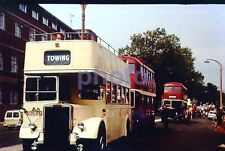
(56, 127)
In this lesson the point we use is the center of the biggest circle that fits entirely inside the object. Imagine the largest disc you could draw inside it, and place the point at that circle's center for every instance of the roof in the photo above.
(136, 60)
(174, 84)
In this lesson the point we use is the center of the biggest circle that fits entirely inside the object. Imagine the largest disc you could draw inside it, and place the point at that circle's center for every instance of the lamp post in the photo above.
(220, 77)
(83, 7)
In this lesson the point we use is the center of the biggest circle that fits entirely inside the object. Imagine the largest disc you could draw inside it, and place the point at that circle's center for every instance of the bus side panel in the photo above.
(115, 113)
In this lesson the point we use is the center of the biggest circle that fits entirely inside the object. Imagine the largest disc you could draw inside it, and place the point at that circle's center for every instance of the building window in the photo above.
(14, 64)
(54, 26)
(2, 21)
(1, 61)
(62, 30)
(23, 7)
(45, 21)
(13, 97)
(32, 34)
(18, 28)
(35, 14)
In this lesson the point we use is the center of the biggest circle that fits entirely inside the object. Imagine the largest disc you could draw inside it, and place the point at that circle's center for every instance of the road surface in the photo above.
(198, 135)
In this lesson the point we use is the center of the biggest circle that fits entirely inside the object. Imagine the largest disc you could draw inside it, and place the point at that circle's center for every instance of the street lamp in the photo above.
(220, 77)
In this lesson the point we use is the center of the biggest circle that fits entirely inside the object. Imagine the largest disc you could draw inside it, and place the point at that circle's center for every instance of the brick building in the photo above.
(18, 23)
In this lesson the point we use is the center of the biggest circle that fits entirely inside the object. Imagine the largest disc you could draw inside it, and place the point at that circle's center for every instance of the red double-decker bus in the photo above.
(143, 92)
(175, 99)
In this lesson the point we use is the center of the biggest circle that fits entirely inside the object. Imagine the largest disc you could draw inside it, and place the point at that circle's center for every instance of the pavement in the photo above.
(12, 148)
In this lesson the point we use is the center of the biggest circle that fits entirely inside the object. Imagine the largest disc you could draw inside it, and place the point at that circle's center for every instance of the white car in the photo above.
(13, 118)
(212, 115)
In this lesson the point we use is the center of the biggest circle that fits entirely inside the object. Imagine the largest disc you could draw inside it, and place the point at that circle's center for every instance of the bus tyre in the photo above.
(101, 140)
(128, 130)
(100, 143)
(27, 144)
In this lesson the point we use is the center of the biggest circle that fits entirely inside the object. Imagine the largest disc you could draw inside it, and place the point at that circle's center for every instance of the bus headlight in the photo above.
(80, 125)
(32, 126)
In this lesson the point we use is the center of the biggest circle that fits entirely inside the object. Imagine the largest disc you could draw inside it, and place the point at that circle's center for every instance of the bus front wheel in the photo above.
(101, 140)
(27, 143)
(99, 144)
(128, 129)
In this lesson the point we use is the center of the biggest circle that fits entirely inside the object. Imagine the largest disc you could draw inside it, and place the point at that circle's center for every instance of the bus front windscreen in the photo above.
(40, 89)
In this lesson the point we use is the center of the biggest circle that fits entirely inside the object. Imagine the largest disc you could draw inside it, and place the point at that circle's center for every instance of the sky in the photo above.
(199, 27)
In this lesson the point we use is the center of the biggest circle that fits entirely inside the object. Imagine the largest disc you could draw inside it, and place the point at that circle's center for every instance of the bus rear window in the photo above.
(40, 89)
(177, 89)
(168, 89)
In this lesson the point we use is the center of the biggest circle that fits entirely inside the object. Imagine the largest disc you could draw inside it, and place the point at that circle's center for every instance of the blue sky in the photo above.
(199, 27)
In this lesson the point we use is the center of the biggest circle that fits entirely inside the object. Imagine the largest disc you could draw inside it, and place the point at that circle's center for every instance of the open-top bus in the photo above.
(76, 94)
(175, 99)
(143, 92)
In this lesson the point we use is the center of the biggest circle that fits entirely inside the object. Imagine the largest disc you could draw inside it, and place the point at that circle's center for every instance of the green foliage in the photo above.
(171, 62)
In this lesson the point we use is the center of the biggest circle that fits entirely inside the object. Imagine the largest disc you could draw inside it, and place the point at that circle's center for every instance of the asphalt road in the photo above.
(196, 136)
(9, 137)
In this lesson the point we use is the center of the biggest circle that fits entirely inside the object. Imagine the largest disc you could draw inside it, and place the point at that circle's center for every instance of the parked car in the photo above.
(212, 115)
(13, 119)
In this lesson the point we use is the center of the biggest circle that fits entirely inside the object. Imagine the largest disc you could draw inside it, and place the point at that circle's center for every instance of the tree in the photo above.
(164, 54)
(212, 93)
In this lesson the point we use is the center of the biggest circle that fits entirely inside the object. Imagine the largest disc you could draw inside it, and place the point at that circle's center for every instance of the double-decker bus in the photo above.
(143, 92)
(76, 94)
(175, 99)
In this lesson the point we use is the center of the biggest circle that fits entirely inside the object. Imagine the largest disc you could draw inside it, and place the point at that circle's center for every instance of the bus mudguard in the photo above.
(88, 128)
(28, 133)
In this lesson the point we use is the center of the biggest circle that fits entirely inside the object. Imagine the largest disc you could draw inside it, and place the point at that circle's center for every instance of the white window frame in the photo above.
(32, 34)
(23, 8)
(54, 26)
(35, 14)
(2, 21)
(14, 64)
(1, 61)
(18, 30)
(45, 21)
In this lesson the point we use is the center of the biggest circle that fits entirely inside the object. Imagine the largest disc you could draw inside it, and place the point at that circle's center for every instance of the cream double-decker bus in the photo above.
(76, 95)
